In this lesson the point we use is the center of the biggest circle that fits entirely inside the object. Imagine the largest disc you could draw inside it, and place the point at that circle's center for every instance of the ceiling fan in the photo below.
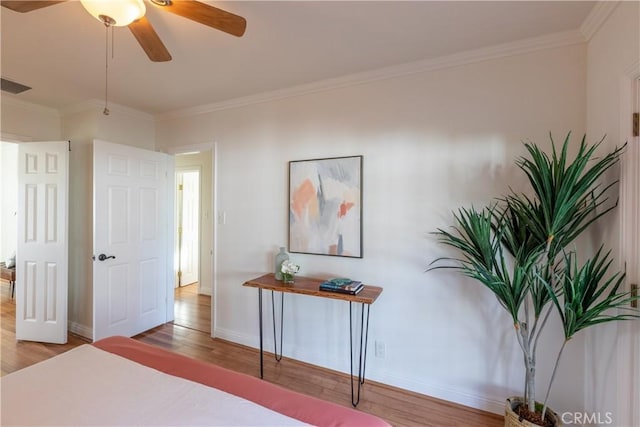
(130, 13)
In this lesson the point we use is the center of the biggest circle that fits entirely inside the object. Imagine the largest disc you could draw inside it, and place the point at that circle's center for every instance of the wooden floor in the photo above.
(192, 310)
(400, 408)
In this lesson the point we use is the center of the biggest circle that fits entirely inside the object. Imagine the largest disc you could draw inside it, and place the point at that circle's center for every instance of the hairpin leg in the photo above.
(273, 316)
(278, 354)
(362, 352)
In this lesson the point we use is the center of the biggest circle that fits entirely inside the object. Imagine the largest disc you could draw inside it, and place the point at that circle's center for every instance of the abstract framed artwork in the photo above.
(325, 206)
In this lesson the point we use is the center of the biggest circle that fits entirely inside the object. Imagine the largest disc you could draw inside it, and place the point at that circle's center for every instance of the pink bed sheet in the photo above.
(293, 404)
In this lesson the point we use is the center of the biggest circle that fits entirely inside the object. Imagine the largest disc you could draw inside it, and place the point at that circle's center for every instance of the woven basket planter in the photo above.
(511, 419)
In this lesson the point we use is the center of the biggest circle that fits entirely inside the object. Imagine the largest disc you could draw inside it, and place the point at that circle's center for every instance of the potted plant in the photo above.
(521, 248)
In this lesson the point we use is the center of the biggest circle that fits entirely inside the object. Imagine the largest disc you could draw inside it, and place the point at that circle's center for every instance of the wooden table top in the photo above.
(310, 286)
(7, 273)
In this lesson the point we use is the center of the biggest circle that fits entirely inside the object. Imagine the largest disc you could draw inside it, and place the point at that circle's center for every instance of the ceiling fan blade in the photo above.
(28, 6)
(207, 15)
(149, 40)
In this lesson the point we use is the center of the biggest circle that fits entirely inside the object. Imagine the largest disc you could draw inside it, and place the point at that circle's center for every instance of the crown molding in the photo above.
(633, 70)
(597, 17)
(98, 105)
(192, 148)
(11, 100)
(13, 138)
(463, 58)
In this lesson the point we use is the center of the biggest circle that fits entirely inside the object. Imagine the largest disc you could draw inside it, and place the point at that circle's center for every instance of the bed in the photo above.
(120, 381)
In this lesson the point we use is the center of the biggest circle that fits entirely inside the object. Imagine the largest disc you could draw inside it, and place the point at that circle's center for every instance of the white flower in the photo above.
(289, 267)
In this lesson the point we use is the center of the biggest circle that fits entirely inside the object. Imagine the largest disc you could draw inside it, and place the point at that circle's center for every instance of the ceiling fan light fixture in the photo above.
(115, 12)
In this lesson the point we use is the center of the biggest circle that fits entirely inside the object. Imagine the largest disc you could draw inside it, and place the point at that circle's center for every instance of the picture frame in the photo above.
(325, 206)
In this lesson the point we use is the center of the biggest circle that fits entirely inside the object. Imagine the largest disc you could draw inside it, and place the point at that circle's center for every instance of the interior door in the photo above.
(628, 347)
(130, 239)
(188, 238)
(635, 261)
(42, 247)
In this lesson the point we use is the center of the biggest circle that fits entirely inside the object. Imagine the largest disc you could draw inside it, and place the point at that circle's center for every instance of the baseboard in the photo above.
(233, 336)
(433, 390)
(442, 392)
(82, 330)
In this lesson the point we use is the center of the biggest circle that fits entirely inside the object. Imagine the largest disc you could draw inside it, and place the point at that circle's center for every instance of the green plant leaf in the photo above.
(589, 297)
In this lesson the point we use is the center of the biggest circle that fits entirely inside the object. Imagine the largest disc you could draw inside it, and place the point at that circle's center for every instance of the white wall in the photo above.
(613, 55)
(86, 122)
(26, 121)
(432, 142)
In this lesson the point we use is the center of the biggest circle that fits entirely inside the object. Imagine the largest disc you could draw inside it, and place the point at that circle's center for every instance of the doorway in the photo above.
(8, 200)
(8, 213)
(193, 238)
(187, 236)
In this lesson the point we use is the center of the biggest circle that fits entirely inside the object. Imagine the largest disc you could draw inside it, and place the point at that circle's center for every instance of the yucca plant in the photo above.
(520, 247)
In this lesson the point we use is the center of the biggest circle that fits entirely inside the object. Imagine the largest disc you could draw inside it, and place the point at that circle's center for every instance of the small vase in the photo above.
(281, 257)
(288, 278)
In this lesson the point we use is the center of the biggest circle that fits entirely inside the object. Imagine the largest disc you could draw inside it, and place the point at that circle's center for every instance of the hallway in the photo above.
(191, 310)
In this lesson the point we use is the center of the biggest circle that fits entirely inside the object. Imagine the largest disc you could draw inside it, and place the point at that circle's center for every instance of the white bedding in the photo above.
(88, 386)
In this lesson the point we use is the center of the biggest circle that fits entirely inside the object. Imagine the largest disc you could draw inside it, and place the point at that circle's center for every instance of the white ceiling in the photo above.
(59, 51)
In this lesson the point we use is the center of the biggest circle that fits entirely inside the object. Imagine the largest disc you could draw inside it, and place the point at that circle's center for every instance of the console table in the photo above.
(10, 275)
(311, 287)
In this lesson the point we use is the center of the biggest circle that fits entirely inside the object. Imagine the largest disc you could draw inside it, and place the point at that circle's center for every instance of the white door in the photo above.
(41, 256)
(188, 215)
(634, 148)
(130, 239)
(628, 351)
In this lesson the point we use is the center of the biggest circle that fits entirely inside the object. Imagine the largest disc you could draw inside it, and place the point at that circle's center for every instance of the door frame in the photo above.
(628, 353)
(197, 148)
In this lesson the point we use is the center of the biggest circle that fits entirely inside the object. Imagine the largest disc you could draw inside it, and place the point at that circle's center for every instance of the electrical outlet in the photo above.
(380, 349)
(222, 217)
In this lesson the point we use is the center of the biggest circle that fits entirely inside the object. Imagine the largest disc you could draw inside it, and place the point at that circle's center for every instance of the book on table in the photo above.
(342, 285)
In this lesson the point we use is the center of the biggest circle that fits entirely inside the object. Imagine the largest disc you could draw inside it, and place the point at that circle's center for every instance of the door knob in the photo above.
(103, 257)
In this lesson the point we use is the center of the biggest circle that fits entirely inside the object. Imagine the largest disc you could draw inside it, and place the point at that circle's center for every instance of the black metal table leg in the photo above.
(273, 316)
(362, 353)
(278, 355)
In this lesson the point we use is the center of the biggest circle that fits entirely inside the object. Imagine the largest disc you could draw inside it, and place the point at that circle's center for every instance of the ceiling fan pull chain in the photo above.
(113, 45)
(106, 70)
